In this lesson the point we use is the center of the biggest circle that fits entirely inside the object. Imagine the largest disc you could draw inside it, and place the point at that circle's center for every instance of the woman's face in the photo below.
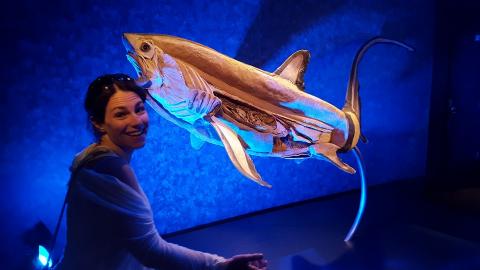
(126, 120)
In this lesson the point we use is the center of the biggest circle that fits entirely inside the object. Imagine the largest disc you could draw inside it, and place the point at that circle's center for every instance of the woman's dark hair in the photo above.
(101, 90)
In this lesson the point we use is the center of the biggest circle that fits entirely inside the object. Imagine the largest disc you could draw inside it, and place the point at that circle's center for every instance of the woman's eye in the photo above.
(140, 109)
(120, 114)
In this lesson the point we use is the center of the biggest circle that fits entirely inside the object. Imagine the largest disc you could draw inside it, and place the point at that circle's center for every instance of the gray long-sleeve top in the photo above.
(110, 223)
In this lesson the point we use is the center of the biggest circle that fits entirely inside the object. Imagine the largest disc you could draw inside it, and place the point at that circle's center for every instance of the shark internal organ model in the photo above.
(251, 111)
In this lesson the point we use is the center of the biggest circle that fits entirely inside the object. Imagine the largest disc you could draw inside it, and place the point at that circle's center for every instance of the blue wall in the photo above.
(53, 50)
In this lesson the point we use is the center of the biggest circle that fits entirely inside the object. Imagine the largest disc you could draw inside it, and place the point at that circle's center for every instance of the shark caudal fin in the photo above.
(352, 105)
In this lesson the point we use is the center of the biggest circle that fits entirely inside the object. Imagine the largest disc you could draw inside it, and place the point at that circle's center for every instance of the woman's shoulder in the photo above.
(89, 154)
(105, 161)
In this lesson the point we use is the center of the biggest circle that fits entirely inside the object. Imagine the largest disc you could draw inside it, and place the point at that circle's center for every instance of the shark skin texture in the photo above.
(247, 110)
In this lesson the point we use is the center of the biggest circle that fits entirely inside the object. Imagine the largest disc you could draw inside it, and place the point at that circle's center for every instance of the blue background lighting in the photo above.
(53, 50)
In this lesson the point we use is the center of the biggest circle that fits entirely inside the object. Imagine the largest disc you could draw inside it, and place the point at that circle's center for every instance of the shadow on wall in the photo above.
(277, 21)
(263, 40)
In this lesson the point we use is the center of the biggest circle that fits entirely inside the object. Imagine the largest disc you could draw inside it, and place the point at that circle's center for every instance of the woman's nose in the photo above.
(137, 121)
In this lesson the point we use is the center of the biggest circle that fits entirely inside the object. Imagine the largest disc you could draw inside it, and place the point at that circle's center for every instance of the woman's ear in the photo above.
(99, 127)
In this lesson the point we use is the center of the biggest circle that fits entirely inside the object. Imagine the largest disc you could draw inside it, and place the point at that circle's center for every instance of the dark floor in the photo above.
(402, 228)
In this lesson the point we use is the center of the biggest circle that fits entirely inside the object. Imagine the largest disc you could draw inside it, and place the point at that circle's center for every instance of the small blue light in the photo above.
(43, 256)
(477, 38)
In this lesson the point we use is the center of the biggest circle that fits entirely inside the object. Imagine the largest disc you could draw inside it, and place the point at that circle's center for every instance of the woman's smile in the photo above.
(137, 133)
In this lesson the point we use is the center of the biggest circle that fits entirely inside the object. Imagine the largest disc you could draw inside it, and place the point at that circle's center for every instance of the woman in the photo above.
(109, 220)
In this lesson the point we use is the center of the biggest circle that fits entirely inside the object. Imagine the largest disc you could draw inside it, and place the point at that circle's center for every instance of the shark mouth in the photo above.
(142, 80)
(133, 58)
(135, 64)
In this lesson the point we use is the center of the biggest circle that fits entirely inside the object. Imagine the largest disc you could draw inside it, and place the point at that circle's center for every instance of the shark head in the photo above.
(146, 58)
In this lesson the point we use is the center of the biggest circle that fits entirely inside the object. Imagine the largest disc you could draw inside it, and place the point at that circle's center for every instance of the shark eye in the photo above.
(145, 47)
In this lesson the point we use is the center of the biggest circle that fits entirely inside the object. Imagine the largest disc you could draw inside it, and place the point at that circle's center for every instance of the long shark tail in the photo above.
(352, 106)
(363, 194)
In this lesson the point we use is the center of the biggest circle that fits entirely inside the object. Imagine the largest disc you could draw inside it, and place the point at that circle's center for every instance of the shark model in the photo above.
(247, 110)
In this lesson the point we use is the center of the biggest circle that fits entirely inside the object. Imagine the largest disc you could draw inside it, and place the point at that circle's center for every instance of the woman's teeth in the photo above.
(136, 133)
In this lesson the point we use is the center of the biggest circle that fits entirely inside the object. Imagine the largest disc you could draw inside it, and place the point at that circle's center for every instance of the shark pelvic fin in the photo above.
(236, 151)
(196, 142)
(293, 69)
(328, 151)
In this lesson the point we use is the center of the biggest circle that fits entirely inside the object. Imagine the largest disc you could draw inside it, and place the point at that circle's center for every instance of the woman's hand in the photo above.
(246, 262)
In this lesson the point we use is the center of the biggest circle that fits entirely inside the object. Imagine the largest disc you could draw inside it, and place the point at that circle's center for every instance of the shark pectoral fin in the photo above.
(196, 142)
(236, 151)
(328, 151)
(293, 69)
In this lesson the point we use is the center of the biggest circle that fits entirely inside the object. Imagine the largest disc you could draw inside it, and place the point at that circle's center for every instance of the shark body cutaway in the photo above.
(255, 112)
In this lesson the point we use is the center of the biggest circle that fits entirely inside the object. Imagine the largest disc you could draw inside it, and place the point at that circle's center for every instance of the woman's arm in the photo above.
(111, 183)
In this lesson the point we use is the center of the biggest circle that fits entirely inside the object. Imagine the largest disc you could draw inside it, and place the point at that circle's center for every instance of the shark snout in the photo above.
(127, 45)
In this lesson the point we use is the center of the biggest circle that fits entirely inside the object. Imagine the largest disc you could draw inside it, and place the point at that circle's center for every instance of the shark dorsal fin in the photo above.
(294, 68)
